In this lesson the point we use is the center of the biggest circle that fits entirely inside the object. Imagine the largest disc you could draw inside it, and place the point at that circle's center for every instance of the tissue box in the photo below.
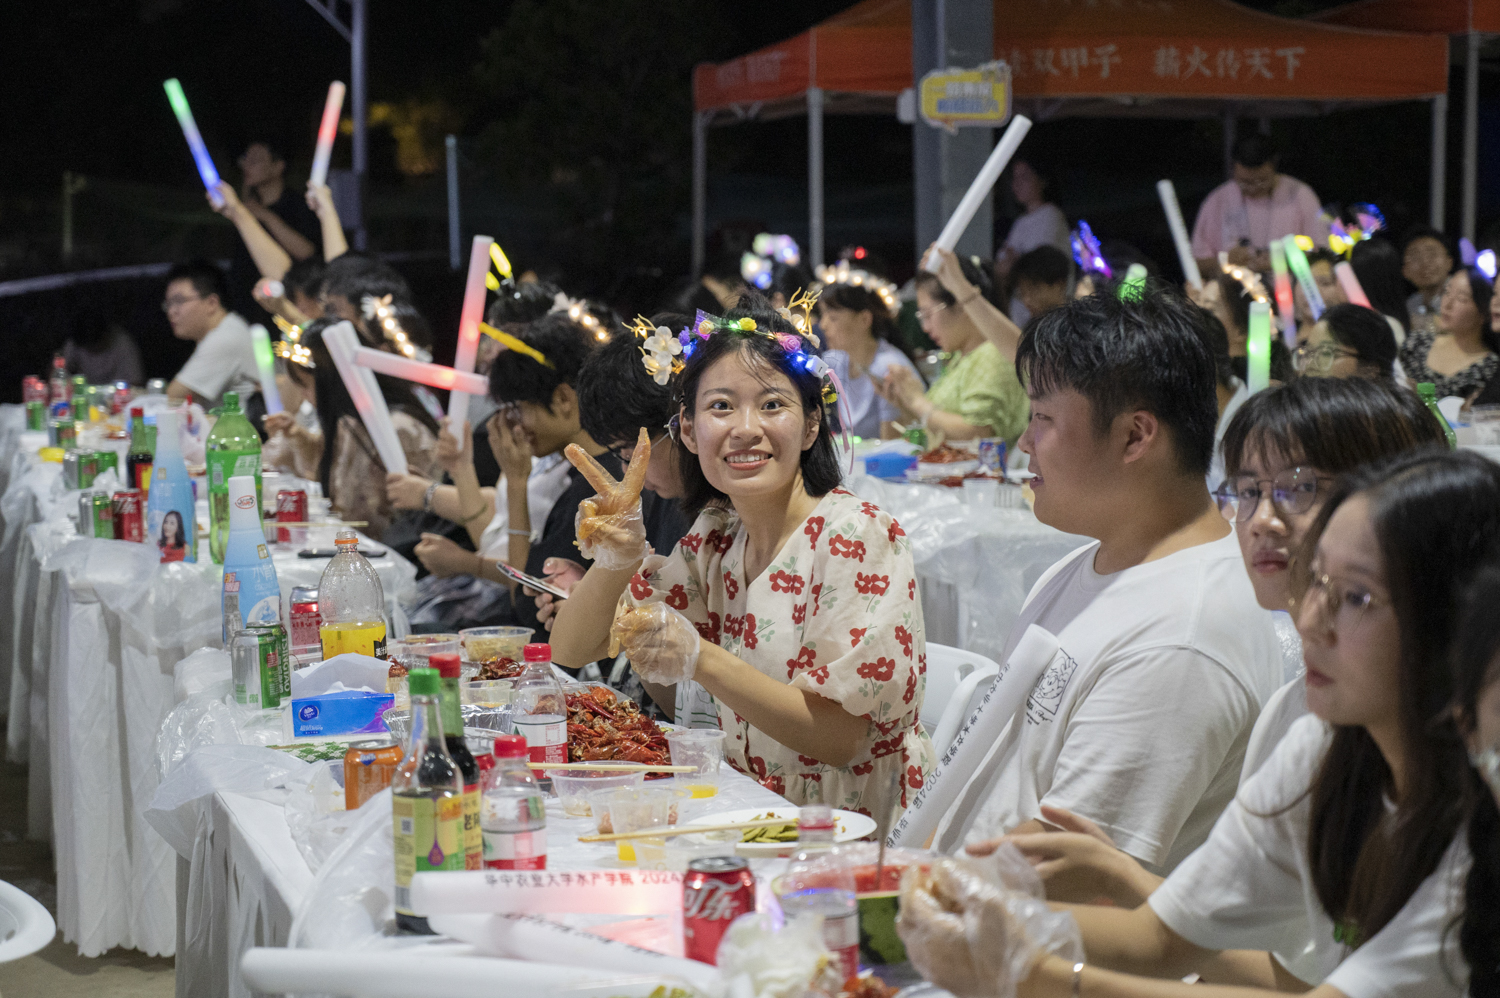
(348, 712)
(889, 465)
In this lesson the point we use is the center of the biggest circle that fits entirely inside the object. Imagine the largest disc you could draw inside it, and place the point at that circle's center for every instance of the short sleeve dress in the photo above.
(836, 614)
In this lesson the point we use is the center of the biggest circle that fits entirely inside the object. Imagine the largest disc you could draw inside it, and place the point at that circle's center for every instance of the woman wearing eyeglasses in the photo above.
(1347, 846)
(1349, 341)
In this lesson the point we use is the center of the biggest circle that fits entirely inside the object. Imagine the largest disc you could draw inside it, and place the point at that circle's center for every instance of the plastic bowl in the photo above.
(575, 786)
(482, 643)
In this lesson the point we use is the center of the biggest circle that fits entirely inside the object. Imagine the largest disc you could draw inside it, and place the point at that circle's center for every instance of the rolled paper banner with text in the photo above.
(265, 366)
(527, 892)
(1168, 194)
(205, 162)
(1297, 261)
(431, 375)
(1344, 271)
(1285, 308)
(341, 340)
(468, 325)
(327, 131)
(1258, 346)
(974, 196)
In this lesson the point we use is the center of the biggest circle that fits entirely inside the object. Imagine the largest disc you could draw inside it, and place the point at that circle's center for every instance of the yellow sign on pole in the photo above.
(954, 98)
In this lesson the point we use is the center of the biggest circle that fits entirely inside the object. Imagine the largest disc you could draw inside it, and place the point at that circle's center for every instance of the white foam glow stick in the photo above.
(1168, 195)
(468, 324)
(1352, 289)
(327, 131)
(974, 196)
(583, 892)
(374, 414)
(432, 375)
(1001, 705)
(404, 972)
(265, 365)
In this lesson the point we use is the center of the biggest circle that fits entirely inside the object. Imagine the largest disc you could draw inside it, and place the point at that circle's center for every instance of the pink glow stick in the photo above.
(468, 325)
(1352, 290)
(432, 375)
(327, 131)
(341, 340)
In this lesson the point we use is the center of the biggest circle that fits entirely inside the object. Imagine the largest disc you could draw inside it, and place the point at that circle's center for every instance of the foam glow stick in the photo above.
(326, 132)
(205, 162)
(1352, 290)
(1168, 195)
(265, 364)
(468, 324)
(1297, 260)
(1284, 305)
(1258, 347)
(432, 375)
(275, 970)
(988, 175)
(341, 340)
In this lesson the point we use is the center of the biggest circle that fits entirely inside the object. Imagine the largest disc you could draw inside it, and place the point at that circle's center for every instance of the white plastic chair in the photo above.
(956, 680)
(25, 926)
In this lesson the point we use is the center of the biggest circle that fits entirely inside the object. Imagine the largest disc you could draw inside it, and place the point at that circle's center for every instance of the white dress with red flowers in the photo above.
(836, 613)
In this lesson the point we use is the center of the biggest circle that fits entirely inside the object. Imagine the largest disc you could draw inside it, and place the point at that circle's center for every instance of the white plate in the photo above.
(851, 825)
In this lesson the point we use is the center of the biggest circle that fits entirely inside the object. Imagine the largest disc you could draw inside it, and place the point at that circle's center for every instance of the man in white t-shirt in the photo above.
(224, 359)
(1141, 716)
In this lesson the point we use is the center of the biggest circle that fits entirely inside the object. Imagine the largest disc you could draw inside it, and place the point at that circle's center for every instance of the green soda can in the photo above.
(255, 657)
(107, 459)
(283, 656)
(96, 514)
(36, 415)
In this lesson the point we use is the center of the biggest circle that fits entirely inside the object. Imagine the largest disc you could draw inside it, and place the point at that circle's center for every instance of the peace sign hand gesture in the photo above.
(610, 529)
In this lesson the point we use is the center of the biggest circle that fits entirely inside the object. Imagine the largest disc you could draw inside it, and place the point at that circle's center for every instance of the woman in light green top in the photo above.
(977, 395)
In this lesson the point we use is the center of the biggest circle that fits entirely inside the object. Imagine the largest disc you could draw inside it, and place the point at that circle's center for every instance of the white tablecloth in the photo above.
(95, 629)
(975, 564)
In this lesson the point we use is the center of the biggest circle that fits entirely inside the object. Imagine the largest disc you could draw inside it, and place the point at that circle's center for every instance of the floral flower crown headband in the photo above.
(842, 273)
(385, 315)
(289, 348)
(1247, 278)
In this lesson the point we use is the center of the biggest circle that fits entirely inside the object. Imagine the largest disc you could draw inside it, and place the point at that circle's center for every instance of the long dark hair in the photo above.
(1366, 332)
(1482, 291)
(1435, 516)
(857, 298)
(820, 464)
(334, 402)
(1476, 667)
(1377, 264)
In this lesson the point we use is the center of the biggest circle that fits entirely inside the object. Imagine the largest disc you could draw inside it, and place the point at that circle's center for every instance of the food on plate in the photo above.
(603, 726)
(499, 667)
(866, 985)
(396, 671)
(945, 454)
(771, 833)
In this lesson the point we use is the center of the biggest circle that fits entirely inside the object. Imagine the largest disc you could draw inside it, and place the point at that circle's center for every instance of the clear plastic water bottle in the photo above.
(512, 815)
(540, 712)
(352, 602)
(819, 880)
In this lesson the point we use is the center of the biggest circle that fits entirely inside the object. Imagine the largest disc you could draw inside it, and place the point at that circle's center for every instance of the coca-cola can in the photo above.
(715, 891)
(303, 623)
(291, 507)
(130, 517)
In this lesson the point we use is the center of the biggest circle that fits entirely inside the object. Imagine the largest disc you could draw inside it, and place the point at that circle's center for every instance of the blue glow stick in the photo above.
(184, 114)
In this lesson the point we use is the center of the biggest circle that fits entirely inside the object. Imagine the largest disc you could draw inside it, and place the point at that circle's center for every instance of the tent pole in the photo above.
(1437, 209)
(815, 175)
(700, 187)
(1229, 126)
(1471, 134)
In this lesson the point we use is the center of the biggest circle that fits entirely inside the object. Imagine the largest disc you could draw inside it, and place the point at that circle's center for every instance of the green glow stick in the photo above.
(1258, 348)
(1297, 260)
(265, 364)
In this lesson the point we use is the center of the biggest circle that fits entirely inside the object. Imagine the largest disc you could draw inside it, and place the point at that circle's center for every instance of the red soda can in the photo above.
(715, 891)
(130, 519)
(291, 507)
(303, 624)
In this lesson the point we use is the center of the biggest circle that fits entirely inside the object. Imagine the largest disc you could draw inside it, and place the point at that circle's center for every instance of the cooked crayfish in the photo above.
(602, 726)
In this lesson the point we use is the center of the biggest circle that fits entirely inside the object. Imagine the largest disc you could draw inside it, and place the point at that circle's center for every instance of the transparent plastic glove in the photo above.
(976, 926)
(661, 643)
(611, 531)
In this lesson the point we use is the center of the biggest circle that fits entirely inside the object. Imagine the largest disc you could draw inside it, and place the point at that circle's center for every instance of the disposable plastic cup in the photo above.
(483, 643)
(633, 810)
(575, 787)
(703, 749)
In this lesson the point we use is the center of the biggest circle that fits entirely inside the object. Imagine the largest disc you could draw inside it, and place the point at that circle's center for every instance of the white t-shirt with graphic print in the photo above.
(1141, 719)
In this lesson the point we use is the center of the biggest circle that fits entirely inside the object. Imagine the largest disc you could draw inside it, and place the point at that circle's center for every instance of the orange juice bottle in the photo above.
(352, 602)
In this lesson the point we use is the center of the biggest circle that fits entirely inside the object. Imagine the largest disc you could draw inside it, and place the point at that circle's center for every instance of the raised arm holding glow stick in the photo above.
(326, 133)
(205, 162)
(265, 365)
(1168, 195)
(1283, 286)
(988, 175)
(1344, 271)
(468, 325)
(377, 418)
(1258, 346)
(1297, 260)
(432, 375)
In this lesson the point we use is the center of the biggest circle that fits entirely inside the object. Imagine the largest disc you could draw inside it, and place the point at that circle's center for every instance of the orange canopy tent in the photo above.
(1142, 58)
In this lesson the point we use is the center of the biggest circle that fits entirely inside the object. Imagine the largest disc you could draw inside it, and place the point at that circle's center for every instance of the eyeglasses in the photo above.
(1292, 491)
(1319, 359)
(926, 314)
(170, 303)
(1342, 604)
(619, 449)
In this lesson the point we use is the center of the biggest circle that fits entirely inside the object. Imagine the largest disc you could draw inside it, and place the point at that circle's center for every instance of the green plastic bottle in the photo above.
(1427, 392)
(233, 449)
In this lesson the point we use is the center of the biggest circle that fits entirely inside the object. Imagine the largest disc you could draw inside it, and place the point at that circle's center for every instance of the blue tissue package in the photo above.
(889, 465)
(348, 712)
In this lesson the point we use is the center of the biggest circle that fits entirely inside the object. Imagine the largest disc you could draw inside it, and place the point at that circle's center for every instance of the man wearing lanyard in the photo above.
(1243, 215)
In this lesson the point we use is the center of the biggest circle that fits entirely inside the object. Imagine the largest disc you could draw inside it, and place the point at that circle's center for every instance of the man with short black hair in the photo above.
(1039, 279)
(281, 210)
(1257, 206)
(1163, 658)
(224, 359)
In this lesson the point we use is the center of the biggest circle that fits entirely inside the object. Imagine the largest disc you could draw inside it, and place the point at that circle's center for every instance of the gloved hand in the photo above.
(976, 926)
(610, 529)
(661, 643)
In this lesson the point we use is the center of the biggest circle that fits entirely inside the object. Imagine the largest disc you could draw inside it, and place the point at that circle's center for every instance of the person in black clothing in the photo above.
(281, 211)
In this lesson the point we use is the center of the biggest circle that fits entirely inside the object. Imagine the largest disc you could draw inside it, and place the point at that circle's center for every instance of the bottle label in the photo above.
(516, 850)
(546, 741)
(226, 464)
(473, 834)
(428, 836)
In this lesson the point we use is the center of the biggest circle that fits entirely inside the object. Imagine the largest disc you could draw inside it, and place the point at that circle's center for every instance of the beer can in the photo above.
(36, 415)
(255, 658)
(368, 768)
(129, 510)
(715, 891)
(305, 620)
(283, 656)
(291, 507)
